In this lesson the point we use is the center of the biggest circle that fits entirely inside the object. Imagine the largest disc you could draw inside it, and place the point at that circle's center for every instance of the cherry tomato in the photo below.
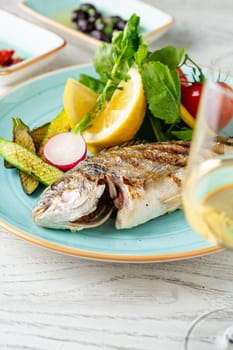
(223, 102)
(183, 77)
(190, 97)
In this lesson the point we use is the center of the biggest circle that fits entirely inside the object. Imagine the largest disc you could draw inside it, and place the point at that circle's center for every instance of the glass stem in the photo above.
(225, 341)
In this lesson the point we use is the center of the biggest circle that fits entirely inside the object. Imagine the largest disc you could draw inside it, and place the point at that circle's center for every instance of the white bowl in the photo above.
(154, 22)
(37, 46)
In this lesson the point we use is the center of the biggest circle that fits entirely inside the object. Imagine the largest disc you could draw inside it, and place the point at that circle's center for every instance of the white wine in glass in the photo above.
(207, 191)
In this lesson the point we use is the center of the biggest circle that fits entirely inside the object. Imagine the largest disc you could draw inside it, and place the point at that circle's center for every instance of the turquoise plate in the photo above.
(166, 238)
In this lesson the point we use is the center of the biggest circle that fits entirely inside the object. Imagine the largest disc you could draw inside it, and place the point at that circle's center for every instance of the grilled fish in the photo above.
(135, 182)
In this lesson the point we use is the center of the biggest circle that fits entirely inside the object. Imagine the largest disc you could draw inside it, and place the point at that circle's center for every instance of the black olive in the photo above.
(93, 18)
(96, 34)
(120, 25)
(115, 19)
(100, 36)
(89, 20)
(84, 25)
(78, 14)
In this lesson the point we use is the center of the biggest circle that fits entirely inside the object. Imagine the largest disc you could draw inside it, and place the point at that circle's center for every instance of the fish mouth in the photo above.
(95, 218)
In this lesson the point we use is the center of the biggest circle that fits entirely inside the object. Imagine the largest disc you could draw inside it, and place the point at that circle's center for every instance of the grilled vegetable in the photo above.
(58, 125)
(29, 184)
(7, 165)
(38, 134)
(29, 162)
(22, 136)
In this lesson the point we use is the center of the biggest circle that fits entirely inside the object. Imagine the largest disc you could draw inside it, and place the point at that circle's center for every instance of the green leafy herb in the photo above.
(169, 55)
(112, 62)
(157, 128)
(95, 84)
(161, 81)
(163, 132)
(162, 90)
(163, 93)
(142, 52)
(103, 61)
(184, 134)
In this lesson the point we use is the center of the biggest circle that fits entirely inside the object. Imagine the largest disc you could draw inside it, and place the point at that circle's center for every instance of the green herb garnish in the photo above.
(112, 62)
(160, 80)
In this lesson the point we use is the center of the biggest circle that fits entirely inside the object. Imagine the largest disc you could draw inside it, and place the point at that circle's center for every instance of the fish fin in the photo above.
(173, 202)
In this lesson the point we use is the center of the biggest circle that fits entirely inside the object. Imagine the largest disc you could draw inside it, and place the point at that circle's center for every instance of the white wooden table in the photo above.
(51, 301)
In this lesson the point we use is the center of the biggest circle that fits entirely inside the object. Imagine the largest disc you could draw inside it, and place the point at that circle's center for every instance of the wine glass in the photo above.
(207, 191)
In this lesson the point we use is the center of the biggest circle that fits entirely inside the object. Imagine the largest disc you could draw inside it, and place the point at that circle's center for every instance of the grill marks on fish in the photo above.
(170, 153)
(139, 182)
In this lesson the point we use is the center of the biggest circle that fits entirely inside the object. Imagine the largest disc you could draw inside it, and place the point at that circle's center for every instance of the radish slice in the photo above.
(65, 150)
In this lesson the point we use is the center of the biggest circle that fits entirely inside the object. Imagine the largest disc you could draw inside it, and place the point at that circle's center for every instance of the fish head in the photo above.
(66, 203)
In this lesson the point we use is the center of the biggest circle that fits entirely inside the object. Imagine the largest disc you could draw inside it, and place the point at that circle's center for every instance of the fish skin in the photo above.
(139, 182)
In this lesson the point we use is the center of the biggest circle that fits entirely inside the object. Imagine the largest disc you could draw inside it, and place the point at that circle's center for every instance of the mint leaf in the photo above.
(169, 55)
(162, 90)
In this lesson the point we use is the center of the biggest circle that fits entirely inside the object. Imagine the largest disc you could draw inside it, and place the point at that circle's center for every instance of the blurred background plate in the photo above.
(154, 22)
(166, 238)
(35, 45)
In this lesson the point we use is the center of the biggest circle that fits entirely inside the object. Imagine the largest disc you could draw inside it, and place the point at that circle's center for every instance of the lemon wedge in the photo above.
(78, 99)
(121, 118)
